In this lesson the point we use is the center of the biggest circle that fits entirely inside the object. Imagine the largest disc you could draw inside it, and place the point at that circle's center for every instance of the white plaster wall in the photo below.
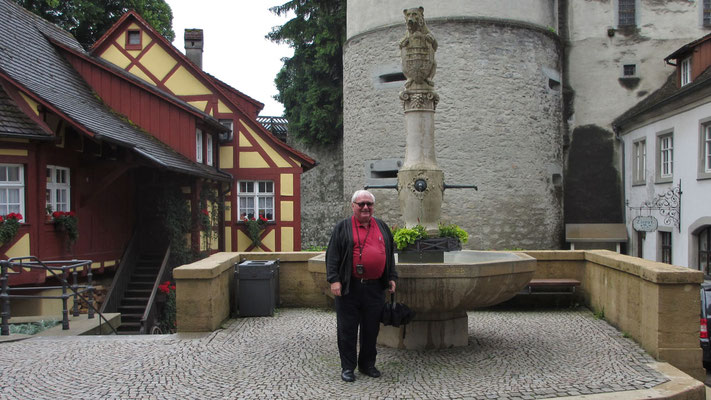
(366, 15)
(696, 196)
(595, 60)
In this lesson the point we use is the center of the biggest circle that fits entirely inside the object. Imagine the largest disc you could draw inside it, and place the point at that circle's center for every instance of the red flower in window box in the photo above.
(254, 228)
(66, 221)
(9, 226)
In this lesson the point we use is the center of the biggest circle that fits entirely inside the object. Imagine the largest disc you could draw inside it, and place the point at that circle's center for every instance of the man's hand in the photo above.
(392, 287)
(336, 288)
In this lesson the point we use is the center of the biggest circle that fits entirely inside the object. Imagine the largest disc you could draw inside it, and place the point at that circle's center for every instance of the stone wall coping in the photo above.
(217, 263)
(562, 255)
(207, 268)
(285, 256)
(652, 271)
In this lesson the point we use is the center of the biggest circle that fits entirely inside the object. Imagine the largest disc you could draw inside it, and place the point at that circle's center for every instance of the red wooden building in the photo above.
(82, 132)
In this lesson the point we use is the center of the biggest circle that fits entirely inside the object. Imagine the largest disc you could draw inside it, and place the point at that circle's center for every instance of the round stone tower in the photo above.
(498, 123)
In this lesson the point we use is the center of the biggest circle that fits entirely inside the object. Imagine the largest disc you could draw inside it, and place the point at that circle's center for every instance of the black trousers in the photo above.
(361, 307)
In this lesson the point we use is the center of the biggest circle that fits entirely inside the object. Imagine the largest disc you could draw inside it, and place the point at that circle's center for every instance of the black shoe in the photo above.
(371, 372)
(348, 375)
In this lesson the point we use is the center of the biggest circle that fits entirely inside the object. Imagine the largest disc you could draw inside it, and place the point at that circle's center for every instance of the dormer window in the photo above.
(685, 71)
(133, 40)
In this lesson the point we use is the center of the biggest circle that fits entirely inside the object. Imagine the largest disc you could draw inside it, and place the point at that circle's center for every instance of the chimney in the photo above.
(193, 46)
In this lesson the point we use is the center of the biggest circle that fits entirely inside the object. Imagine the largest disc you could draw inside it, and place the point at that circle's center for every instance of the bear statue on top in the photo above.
(417, 51)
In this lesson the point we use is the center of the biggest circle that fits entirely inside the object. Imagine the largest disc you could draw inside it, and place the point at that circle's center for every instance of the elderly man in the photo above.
(360, 265)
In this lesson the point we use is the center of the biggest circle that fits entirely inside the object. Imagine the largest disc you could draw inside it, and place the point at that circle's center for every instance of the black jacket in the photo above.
(339, 255)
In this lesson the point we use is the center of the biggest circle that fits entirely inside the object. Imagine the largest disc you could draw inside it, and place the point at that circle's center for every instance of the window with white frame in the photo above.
(706, 145)
(198, 145)
(209, 149)
(58, 188)
(707, 12)
(626, 12)
(685, 70)
(256, 199)
(639, 162)
(226, 136)
(666, 156)
(12, 189)
(629, 70)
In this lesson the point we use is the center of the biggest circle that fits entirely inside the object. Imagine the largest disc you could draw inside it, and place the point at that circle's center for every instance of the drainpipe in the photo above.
(623, 174)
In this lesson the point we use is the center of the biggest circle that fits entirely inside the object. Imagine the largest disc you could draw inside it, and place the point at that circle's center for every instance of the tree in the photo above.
(87, 20)
(310, 83)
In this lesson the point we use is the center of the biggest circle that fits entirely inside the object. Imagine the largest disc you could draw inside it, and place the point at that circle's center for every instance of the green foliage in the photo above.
(87, 20)
(310, 83)
(600, 314)
(209, 215)
(167, 319)
(405, 236)
(9, 226)
(315, 247)
(67, 221)
(255, 226)
(32, 328)
(453, 231)
(173, 210)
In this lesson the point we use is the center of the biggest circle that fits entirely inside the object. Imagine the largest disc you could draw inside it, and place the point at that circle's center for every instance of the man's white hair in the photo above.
(358, 193)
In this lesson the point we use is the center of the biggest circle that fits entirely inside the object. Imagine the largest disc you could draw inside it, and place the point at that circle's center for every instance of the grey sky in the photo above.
(236, 51)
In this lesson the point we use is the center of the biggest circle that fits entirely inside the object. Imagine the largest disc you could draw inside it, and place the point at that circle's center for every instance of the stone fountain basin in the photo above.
(466, 280)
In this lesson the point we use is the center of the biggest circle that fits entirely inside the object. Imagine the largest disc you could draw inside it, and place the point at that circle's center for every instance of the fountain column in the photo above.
(420, 180)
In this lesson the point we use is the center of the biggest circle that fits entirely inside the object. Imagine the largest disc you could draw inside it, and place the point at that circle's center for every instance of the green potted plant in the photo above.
(9, 226)
(66, 221)
(254, 228)
(414, 245)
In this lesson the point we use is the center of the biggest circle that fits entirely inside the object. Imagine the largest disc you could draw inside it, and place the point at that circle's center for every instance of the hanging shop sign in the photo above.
(644, 223)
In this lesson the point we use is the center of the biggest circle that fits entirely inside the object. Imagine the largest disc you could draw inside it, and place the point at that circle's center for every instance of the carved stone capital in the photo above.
(419, 100)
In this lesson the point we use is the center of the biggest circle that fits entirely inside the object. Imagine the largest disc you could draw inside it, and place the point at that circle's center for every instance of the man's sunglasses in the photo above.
(364, 203)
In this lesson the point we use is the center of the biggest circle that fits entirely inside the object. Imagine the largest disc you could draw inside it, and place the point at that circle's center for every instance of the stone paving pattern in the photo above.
(293, 355)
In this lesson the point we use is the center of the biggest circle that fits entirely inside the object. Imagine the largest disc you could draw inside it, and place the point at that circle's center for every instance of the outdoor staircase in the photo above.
(135, 298)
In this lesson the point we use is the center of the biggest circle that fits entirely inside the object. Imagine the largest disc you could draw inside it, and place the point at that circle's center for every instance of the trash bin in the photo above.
(256, 288)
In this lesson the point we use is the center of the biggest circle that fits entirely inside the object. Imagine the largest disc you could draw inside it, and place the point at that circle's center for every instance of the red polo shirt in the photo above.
(372, 257)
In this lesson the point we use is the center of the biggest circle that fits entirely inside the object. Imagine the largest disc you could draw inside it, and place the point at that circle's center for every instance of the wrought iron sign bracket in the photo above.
(668, 204)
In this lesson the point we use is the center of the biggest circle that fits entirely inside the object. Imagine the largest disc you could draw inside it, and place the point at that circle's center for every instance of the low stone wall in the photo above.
(656, 304)
(203, 292)
(204, 289)
(296, 287)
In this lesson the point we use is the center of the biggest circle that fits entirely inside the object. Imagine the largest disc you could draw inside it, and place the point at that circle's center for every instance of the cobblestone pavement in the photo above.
(511, 355)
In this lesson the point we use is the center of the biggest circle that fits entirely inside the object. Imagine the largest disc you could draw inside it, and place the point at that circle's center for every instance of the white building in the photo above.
(667, 162)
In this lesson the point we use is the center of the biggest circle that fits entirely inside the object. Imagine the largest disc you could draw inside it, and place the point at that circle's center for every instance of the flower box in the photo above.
(430, 250)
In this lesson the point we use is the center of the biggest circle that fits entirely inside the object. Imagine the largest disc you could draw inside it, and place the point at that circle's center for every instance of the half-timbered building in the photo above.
(107, 135)
(266, 171)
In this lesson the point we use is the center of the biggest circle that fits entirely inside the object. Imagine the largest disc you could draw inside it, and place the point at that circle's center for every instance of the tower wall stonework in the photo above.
(497, 125)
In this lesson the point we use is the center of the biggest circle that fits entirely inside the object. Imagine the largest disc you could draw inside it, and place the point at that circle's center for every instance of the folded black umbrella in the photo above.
(396, 314)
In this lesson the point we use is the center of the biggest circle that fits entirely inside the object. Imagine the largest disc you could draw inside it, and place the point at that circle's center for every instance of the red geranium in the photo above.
(16, 216)
(166, 287)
